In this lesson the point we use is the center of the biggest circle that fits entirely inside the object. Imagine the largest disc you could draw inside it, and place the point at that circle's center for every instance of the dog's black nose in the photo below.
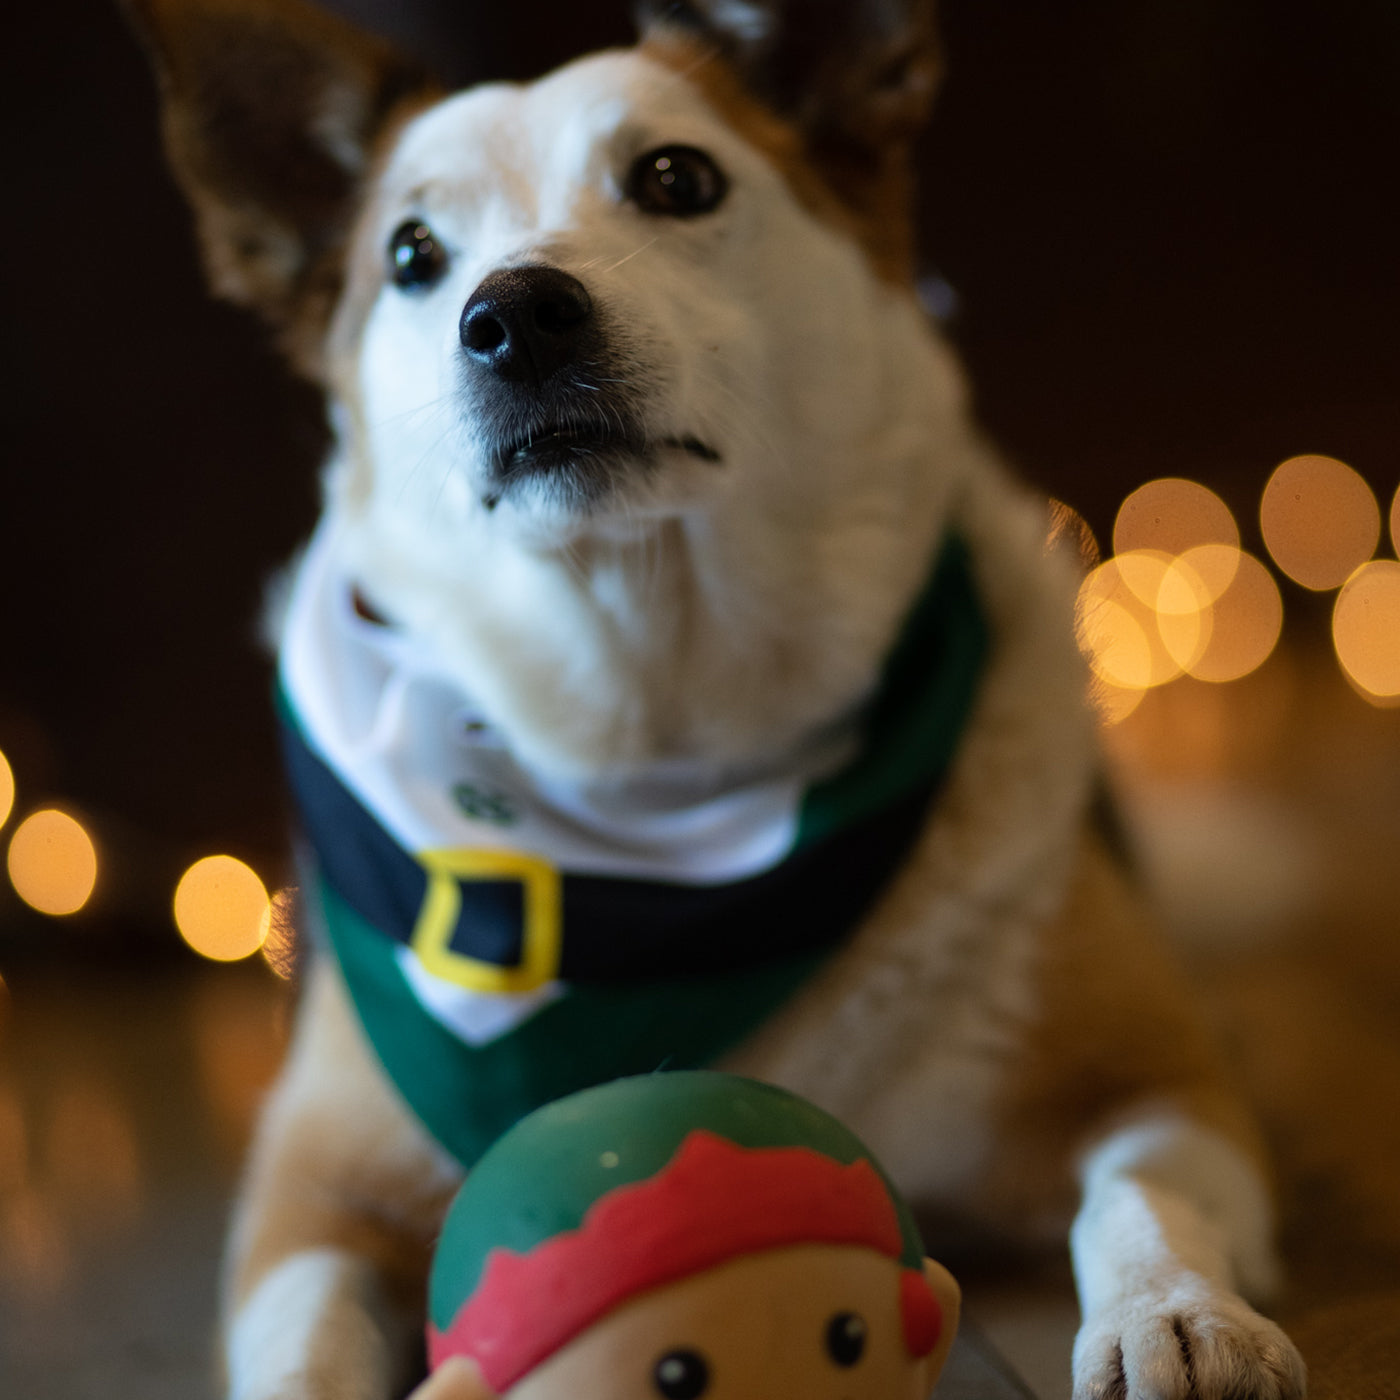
(526, 323)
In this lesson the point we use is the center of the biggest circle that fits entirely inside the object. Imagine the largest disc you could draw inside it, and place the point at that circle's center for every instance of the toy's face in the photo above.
(820, 1322)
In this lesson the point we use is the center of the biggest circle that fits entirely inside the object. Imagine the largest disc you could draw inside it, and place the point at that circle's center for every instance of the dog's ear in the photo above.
(271, 109)
(855, 76)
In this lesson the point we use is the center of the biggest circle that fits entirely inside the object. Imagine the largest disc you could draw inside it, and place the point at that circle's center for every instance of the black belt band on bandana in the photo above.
(614, 929)
(669, 974)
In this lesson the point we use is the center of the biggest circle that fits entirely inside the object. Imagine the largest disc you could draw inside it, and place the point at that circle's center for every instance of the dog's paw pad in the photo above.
(1217, 1348)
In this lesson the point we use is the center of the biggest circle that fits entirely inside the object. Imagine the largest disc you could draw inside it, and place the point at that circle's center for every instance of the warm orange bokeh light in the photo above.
(53, 863)
(1246, 620)
(222, 909)
(1114, 703)
(1395, 522)
(1366, 629)
(1173, 515)
(1118, 626)
(7, 789)
(1214, 565)
(1320, 520)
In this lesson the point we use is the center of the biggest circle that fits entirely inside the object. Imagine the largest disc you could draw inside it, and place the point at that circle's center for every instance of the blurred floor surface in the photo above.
(124, 1106)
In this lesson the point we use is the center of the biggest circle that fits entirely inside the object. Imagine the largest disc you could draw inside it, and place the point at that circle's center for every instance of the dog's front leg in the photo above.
(1174, 1220)
(317, 1326)
(324, 1292)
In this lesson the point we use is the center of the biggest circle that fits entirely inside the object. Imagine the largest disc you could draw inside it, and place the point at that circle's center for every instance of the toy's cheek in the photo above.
(920, 1312)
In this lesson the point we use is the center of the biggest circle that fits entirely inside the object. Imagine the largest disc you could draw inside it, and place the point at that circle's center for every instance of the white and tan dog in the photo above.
(644, 454)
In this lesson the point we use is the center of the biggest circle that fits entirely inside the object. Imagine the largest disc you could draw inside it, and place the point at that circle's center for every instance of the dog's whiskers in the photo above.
(634, 253)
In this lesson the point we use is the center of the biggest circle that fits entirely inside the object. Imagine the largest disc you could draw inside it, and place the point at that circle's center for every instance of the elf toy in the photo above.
(682, 1235)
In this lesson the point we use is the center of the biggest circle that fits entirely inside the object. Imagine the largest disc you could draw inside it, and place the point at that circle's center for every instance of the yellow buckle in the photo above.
(541, 938)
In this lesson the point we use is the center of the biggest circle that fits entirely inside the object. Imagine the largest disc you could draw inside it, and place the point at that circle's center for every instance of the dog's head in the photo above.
(614, 292)
(639, 421)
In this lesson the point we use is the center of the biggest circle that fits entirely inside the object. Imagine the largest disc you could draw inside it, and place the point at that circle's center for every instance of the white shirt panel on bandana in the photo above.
(413, 746)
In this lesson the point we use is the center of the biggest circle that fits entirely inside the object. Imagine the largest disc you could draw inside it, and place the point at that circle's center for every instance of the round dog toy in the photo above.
(683, 1235)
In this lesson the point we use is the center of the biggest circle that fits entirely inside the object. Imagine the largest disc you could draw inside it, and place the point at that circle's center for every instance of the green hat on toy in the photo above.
(627, 1187)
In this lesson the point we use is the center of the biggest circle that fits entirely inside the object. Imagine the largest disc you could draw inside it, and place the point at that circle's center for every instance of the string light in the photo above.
(1179, 597)
(222, 909)
(1366, 630)
(1320, 520)
(1118, 625)
(53, 863)
(1246, 622)
(1172, 514)
(7, 789)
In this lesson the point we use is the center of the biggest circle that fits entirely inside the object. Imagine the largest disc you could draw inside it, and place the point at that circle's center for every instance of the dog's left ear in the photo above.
(857, 77)
(270, 110)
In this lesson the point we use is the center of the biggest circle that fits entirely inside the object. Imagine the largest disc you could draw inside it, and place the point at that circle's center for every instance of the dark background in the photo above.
(1171, 226)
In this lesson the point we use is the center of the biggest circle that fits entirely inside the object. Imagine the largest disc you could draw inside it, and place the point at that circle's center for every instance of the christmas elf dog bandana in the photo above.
(508, 939)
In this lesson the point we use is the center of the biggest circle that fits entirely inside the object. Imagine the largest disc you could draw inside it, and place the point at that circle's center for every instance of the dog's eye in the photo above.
(416, 258)
(676, 180)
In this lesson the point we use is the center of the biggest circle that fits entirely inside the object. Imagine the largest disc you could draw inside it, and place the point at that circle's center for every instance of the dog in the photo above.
(678, 676)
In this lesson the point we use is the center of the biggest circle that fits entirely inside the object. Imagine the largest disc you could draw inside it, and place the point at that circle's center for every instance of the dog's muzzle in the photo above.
(526, 325)
(553, 395)
(543, 386)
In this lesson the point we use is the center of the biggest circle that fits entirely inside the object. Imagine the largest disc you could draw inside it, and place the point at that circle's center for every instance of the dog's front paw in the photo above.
(1210, 1346)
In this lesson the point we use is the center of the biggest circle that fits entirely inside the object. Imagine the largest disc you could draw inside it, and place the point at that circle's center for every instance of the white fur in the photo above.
(709, 612)
(1173, 1221)
(318, 1312)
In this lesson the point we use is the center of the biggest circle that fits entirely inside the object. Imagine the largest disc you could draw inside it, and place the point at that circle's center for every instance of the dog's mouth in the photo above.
(582, 461)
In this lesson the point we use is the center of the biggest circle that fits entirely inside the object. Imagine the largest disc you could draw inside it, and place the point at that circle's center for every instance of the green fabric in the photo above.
(927, 687)
(541, 1178)
(469, 1095)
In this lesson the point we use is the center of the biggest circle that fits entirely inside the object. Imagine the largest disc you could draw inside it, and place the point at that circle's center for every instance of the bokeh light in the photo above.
(1114, 703)
(53, 863)
(1395, 522)
(7, 789)
(1173, 515)
(1117, 622)
(1366, 629)
(1320, 520)
(222, 909)
(1246, 619)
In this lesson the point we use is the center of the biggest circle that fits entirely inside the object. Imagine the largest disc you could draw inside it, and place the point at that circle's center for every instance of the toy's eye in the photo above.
(845, 1338)
(677, 180)
(416, 258)
(681, 1375)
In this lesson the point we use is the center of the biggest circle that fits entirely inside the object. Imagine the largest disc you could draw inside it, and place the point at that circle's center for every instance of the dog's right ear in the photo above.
(271, 111)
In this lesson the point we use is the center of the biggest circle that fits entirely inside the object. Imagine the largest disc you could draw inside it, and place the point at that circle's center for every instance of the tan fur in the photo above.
(1113, 1030)
(339, 1162)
